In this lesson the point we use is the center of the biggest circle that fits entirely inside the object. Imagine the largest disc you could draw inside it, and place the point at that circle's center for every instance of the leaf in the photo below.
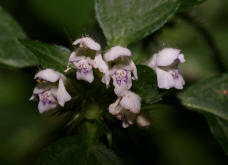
(50, 56)
(187, 4)
(78, 150)
(210, 97)
(12, 52)
(219, 128)
(126, 21)
(146, 85)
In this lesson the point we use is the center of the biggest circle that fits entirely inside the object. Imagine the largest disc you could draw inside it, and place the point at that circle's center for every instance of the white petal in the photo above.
(152, 62)
(48, 75)
(115, 108)
(179, 83)
(142, 121)
(181, 58)
(86, 77)
(116, 52)
(88, 42)
(37, 90)
(44, 108)
(131, 102)
(165, 79)
(106, 79)
(167, 56)
(62, 94)
(125, 124)
(33, 97)
(121, 88)
(128, 118)
(100, 64)
(134, 70)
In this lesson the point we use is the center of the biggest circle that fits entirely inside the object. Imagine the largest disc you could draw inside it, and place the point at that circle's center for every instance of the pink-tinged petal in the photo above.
(165, 79)
(179, 83)
(121, 81)
(62, 94)
(152, 62)
(131, 102)
(142, 121)
(47, 102)
(116, 52)
(106, 79)
(100, 64)
(167, 56)
(85, 76)
(181, 58)
(87, 42)
(48, 75)
(115, 108)
(44, 108)
(134, 70)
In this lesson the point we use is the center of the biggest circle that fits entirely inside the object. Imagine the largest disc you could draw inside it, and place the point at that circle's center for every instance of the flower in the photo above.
(126, 108)
(84, 61)
(49, 92)
(143, 121)
(122, 69)
(165, 63)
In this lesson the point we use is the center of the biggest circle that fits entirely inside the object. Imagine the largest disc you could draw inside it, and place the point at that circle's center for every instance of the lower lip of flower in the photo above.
(176, 74)
(83, 70)
(120, 79)
(45, 99)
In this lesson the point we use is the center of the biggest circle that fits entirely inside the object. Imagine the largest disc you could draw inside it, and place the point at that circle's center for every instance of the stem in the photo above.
(208, 38)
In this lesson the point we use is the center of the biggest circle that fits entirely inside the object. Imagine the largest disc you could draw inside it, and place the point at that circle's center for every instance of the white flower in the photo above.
(122, 69)
(165, 63)
(86, 57)
(50, 90)
(126, 108)
(142, 121)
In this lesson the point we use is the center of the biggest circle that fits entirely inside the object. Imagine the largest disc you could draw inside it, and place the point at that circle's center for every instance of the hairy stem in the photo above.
(208, 38)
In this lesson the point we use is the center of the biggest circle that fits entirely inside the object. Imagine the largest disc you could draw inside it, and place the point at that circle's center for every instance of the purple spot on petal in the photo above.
(176, 74)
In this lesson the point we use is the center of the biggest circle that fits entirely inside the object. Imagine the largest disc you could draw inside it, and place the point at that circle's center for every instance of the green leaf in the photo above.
(146, 85)
(12, 52)
(219, 128)
(50, 56)
(210, 97)
(187, 4)
(126, 21)
(79, 150)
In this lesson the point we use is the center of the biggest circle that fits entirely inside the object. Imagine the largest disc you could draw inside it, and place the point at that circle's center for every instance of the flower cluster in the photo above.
(117, 66)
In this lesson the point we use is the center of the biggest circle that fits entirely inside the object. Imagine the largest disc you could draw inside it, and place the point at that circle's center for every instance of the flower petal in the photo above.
(62, 94)
(122, 85)
(100, 64)
(152, 62)
(44, 108)
(48, 75)
(179, 83)
(88, 42)
(131, 102)
(116, 52)
(167, 56)
(106, 79)
(36, 91)
(165, 79)
(143, 121)
(85, 76)
(115, 108)
(181, 58)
